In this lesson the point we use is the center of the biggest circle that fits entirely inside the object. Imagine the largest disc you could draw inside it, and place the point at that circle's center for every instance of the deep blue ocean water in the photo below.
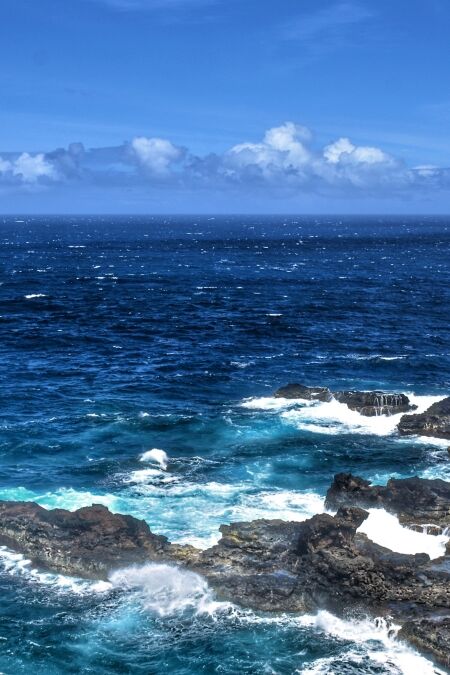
(119, 335)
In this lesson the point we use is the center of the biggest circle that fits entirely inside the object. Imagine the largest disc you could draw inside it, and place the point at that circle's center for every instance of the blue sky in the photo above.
(138, 106)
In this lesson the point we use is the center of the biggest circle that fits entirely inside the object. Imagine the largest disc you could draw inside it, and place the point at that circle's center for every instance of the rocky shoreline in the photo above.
(435, 421)
(272, 565)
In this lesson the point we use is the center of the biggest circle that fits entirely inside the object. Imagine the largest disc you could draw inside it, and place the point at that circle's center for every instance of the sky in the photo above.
(218, 106)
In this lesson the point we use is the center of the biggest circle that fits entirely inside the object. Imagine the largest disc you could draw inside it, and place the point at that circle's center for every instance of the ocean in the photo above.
(124, 334)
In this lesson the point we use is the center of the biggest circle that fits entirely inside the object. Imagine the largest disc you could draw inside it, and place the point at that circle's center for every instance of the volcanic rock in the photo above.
(368, 403)
(415, 501)
(433, 422)
(89, 542)
(431, 636)
(374, 403)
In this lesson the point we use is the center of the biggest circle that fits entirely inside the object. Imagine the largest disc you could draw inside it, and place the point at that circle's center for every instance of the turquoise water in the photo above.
(123, 335)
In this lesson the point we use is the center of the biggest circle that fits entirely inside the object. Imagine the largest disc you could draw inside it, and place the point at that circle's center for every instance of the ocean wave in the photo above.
(375, 648)
(166, 589)
(32, 296)
(156, 456)
(332, 417)
(185, 512)
(18, 565)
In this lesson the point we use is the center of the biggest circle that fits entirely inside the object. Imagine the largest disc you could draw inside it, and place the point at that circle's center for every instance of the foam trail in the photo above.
(156, 456)
(167, 590)
(393, 656)
(384, 529)
(336, 418)
(16, 564)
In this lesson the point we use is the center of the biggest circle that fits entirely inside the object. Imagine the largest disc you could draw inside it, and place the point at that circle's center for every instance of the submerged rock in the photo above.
(431, 636)
(433, 422)
(368, 403)
(415, 501)
(308, 393)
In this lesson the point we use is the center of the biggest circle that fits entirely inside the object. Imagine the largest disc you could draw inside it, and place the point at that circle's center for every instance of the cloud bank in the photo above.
(285, 162)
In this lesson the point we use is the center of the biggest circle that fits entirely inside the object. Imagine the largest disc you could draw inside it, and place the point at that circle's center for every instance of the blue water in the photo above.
(123, 334)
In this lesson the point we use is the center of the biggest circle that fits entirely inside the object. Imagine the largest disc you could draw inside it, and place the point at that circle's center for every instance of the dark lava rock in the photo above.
(268, 565)
(415, 501)
(433, 422)
(373, 403)
(308, 393)
(431, 636)
(368, 403)
(89, 542)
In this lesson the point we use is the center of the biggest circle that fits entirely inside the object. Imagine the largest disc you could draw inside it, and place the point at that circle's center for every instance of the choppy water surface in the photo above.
(123, 335)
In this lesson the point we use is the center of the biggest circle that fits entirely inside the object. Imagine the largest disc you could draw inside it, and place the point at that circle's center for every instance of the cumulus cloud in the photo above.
(27, 168)
(286, 161)
(155, 154)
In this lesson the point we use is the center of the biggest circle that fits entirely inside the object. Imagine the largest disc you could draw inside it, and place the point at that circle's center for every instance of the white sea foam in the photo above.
(31, 296)
(156, 456)
(385, 529)
(336, 418)
(153, 476)
(395, 656)
(167, 589)
(18, 565)
(274, 403)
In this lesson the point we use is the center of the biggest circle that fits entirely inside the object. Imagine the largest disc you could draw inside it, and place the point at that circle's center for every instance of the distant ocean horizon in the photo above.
(122, 334)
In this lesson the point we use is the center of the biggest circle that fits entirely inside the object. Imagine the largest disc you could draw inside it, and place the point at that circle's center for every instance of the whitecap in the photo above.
(31, 296)
(274, 403)
(156, 456)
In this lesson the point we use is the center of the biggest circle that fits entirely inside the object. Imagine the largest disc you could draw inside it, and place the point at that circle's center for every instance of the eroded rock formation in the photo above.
(433, 422)
(368, 403)
(269, 565)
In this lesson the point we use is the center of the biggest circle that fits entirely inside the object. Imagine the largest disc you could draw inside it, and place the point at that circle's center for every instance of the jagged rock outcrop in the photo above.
(89, 542)
(308, 393)
(373, 403)
(268, 565)
(431, 636)
(368, 403)
(433, 422)
(415, 501)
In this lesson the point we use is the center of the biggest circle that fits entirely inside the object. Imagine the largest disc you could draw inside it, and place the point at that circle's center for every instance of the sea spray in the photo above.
(167, 590)
(156, 456)
(384, 529)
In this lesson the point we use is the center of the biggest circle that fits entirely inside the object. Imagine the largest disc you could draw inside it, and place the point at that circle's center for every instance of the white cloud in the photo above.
(27, 168)
(281, 149)
(285, 162)
(32, 167)
(155, 154)
(343, 150)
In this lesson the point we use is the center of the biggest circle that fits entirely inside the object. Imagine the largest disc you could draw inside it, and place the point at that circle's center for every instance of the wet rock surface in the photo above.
(87, 543)
(431, 636)
(433, 422)
(268, 565)
(368, 403)
(415, 501)
(373, 403)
